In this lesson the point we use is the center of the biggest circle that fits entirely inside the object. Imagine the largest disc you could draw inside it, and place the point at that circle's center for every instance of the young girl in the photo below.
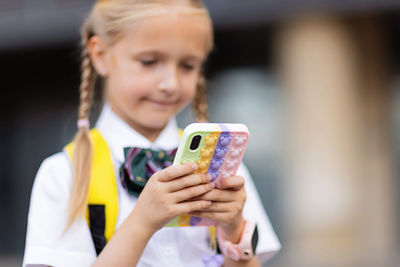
(150, 55)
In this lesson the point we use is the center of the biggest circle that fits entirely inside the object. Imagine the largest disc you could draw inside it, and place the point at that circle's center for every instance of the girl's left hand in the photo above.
(227, 204)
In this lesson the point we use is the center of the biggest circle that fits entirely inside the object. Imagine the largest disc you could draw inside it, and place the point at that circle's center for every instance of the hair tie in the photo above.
(83, 123)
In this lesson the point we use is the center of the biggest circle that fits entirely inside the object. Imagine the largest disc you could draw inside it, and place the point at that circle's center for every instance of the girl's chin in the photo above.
(151, 119)
(155, 124)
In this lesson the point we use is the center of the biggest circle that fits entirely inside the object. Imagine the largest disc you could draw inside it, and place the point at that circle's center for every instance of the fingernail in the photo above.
(209, 177)
(194, 166)
(208, 203)
(219, 183)
(211, 185)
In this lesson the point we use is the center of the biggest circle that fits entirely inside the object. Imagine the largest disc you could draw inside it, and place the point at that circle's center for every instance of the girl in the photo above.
(150, 55)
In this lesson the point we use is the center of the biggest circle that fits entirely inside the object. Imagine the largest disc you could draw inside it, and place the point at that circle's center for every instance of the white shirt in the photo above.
(47, 244)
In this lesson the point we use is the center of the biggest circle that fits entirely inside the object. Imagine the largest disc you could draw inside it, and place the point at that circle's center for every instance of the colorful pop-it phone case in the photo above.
(219, 153)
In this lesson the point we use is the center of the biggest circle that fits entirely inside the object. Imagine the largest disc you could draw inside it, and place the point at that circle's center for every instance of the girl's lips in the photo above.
(162, 103)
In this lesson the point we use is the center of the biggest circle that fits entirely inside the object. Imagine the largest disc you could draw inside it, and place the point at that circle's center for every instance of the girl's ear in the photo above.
(97, 51)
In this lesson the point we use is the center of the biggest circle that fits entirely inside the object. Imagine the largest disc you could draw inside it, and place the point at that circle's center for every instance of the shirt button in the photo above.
(168, 251)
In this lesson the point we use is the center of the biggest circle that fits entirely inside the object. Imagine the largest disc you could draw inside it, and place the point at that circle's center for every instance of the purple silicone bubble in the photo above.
(224, 139)
(213, 260)
(216, 163)
(220, 152)
(214, 174)
(194, 220)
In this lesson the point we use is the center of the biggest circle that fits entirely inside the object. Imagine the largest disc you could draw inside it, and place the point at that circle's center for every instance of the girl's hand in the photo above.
(166, 193)
(227, 204)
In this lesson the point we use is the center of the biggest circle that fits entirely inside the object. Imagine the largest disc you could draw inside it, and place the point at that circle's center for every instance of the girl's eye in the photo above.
(188, 66)
(148, 62)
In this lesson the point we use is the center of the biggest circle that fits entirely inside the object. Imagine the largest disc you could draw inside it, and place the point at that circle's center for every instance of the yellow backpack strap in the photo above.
(102, 211)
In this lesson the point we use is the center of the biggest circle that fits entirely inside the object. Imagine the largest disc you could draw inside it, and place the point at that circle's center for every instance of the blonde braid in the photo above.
(200, 106)
(88, 77)
(82, 158)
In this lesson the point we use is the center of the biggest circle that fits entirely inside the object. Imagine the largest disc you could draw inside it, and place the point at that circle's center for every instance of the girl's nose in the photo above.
(169, 82)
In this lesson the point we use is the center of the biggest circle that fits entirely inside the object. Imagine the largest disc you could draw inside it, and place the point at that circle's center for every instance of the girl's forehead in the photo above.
(175, 30)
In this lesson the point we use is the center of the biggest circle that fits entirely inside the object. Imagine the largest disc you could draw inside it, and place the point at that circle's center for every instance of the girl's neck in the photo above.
(150, 134)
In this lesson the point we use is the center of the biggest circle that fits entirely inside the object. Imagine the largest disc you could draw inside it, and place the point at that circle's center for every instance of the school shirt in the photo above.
(47, 244)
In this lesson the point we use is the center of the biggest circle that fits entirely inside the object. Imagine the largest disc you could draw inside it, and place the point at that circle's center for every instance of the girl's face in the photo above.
(153, 70)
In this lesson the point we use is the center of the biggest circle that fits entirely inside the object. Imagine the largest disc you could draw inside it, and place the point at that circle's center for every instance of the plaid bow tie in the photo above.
(140, 164)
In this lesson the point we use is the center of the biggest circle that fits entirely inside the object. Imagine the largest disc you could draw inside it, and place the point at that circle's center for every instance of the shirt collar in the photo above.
(118, 134)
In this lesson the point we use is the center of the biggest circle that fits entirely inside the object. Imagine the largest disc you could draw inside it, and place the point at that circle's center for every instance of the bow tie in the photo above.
(140, 164)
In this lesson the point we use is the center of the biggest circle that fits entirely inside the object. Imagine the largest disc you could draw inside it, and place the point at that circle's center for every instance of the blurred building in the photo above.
(317, 82)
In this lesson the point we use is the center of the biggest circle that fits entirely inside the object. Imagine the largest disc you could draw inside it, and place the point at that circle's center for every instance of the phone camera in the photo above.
(195, 142)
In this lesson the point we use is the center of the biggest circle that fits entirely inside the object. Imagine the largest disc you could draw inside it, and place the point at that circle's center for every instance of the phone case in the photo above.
(220, 152)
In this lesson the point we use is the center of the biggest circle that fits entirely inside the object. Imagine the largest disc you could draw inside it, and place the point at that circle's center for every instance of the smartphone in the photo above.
(217, 148)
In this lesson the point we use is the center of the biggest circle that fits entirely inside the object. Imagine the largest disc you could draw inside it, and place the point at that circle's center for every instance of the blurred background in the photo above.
(316, 81)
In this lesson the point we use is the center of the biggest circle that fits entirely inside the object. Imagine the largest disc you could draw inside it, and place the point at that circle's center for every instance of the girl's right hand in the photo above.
(166, 193)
